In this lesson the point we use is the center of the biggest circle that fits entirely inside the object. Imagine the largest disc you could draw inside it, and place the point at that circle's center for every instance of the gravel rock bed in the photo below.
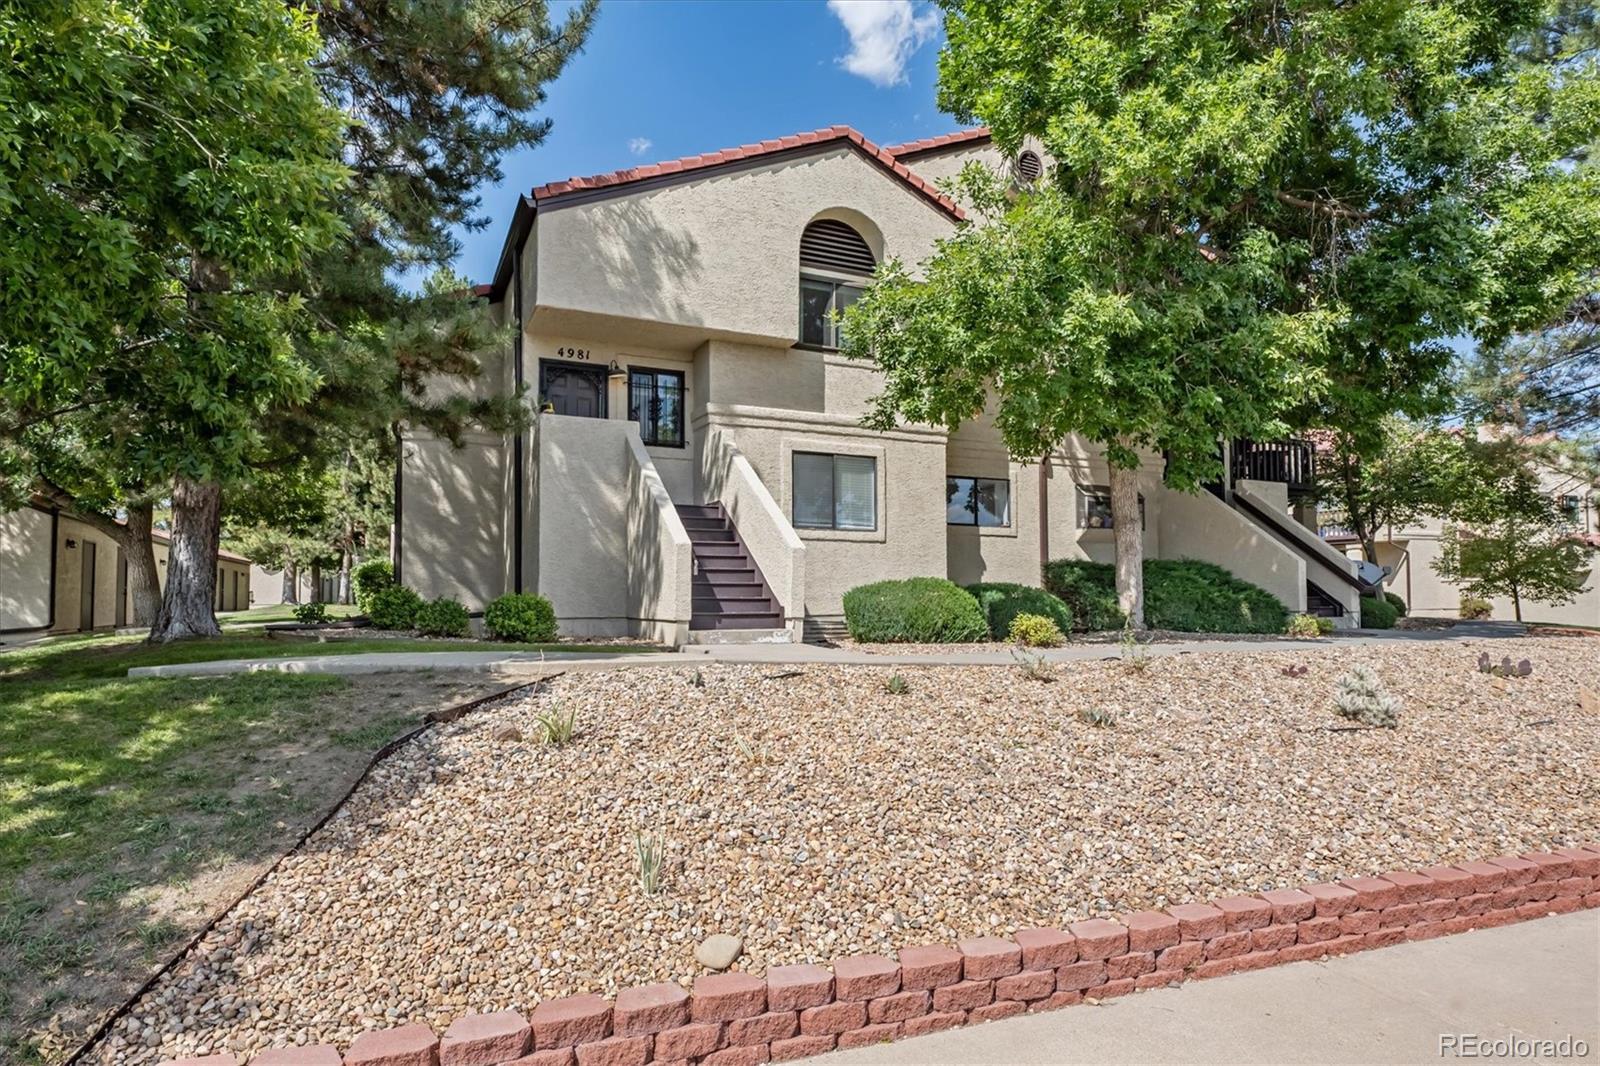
(821, 815)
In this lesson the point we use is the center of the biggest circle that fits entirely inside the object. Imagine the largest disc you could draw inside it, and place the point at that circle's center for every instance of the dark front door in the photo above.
(86, 590)
(573, 388)
(122, 588)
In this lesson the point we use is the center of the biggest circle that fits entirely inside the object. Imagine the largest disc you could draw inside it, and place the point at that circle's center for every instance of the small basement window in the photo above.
(977, 501)
(1094, 508)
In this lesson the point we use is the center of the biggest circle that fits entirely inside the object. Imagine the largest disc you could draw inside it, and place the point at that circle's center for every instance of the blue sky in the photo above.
(667, 78)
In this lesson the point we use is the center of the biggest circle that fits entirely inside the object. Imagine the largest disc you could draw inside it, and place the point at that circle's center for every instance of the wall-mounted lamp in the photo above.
(617, 373)
(71, 544)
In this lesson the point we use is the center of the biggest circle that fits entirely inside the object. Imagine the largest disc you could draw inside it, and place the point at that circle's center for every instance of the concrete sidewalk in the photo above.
(791, 654)
(1534, 980)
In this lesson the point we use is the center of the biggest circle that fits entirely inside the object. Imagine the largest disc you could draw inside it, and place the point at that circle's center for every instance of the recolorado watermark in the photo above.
(1476, 1046)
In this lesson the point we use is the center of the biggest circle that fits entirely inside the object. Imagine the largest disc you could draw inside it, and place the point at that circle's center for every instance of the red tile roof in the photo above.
(883, 157)
(944, 140)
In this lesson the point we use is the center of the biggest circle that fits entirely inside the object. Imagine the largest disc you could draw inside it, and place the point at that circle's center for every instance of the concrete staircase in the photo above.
(730, 599)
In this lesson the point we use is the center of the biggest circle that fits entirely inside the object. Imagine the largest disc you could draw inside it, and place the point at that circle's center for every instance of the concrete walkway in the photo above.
(1534, 981)
(791, 655)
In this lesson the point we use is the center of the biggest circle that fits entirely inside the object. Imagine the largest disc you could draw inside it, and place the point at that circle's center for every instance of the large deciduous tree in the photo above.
(1255, 216)
(1409, 472)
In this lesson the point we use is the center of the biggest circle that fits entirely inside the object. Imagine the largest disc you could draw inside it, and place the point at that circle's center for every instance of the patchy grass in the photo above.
(131, 809)
(279, 612)
(104, 656)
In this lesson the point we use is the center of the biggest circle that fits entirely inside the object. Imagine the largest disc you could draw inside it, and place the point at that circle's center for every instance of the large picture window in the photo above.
(655, 401)
(1094, 508)
(977, 501)
(835, 492)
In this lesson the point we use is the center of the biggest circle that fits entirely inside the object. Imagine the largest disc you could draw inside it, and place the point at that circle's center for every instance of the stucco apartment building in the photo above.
(698, 469)
(60, 575)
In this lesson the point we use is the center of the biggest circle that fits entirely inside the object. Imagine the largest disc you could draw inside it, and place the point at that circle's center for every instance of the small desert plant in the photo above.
(1033, 667)
(1295, 670)
(648, 852)
(697, 679)
(443, 617)
(1098, 717)
(557, 726)
(1361, 697)
(393, 607)
(1504, 668)
(1303, 625)
(1035, 631)
(1473, 607)
(1134, 658)
(897, 685)
(311, 613)
(520, 616)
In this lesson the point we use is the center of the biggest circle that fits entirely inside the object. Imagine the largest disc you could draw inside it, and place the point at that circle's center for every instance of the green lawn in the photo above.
(278, 612)
(130, 809)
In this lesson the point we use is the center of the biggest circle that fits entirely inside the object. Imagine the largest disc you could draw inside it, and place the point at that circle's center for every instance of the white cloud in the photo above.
(884, 35)
(640, 145)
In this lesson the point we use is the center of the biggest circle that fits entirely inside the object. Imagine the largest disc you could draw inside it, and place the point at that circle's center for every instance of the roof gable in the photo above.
(693, 166)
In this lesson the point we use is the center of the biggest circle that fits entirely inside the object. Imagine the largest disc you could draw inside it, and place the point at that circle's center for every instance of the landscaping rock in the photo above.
(718, 951)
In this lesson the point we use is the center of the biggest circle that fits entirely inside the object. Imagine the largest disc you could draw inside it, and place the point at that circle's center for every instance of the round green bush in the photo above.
(1002, 601)
(521, 616)
(311, 613)
(368, 578)
(918, 610)
(1303, 625)
(1475, 607)
(443, 617)
(1377, 613)
(394, 607)
(1035, 631)
(1396, 602)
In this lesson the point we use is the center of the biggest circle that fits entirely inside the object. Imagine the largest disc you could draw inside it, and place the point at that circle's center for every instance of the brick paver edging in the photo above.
(735, 1019)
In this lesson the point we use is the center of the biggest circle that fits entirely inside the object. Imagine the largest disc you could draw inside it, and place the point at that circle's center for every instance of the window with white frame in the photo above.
(835, 492)
(1094, 508)
(977, 501)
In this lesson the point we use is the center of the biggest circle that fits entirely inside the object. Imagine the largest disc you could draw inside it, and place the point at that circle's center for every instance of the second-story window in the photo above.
(835, 264)
(655, 401)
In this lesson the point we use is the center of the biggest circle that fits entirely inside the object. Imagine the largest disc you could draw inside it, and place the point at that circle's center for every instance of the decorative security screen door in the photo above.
(573, 389)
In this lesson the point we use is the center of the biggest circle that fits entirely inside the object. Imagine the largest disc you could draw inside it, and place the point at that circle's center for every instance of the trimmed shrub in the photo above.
(1182, 595)
(1304, 625)
(919, 610)
(308, 614)
(1396, 602)
(368, 578)
(1473, 607)
(1089, 590)
(1002, 601)
(1377, 614)
(521, 616)
(1034, 631)
(394, 607)
(443, 617)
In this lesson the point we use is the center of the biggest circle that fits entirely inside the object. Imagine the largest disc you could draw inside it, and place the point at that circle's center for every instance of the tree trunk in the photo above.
(1130, 543)
(187, 608)
(144, 580)
(1516, 602)
(316, 582)
(1369, 548)
(344, 576)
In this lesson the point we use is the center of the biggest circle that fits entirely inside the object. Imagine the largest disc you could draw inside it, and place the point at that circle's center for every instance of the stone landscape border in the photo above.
(429, 720)
(736, 1019)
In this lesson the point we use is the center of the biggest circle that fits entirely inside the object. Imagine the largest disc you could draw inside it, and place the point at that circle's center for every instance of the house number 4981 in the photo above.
(572, 353)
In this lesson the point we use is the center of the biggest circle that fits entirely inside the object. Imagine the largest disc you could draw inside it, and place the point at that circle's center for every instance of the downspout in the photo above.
(1044, 515)
(517, 440)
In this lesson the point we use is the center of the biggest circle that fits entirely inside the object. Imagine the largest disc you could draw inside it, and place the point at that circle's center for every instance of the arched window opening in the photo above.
(835, 264)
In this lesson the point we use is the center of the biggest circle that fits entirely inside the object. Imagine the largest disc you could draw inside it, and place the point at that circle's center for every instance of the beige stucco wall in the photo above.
(721, 253)
(660, 556)
(25, 569)
(266, 586)
(454, 526)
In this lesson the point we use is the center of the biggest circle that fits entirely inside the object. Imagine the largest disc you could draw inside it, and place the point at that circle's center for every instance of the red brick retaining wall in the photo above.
(734, 1019)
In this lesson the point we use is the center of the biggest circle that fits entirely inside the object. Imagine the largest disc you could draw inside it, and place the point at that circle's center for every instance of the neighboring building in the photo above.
(1407, 555)
(61, 575)
(266, 586)
(699, 465)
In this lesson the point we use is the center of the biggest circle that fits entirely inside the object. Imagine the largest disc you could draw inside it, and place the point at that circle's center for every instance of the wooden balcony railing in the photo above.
(1291, 461)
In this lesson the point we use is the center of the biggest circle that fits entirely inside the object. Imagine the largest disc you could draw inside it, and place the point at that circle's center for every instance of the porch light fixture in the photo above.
(617, 373)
